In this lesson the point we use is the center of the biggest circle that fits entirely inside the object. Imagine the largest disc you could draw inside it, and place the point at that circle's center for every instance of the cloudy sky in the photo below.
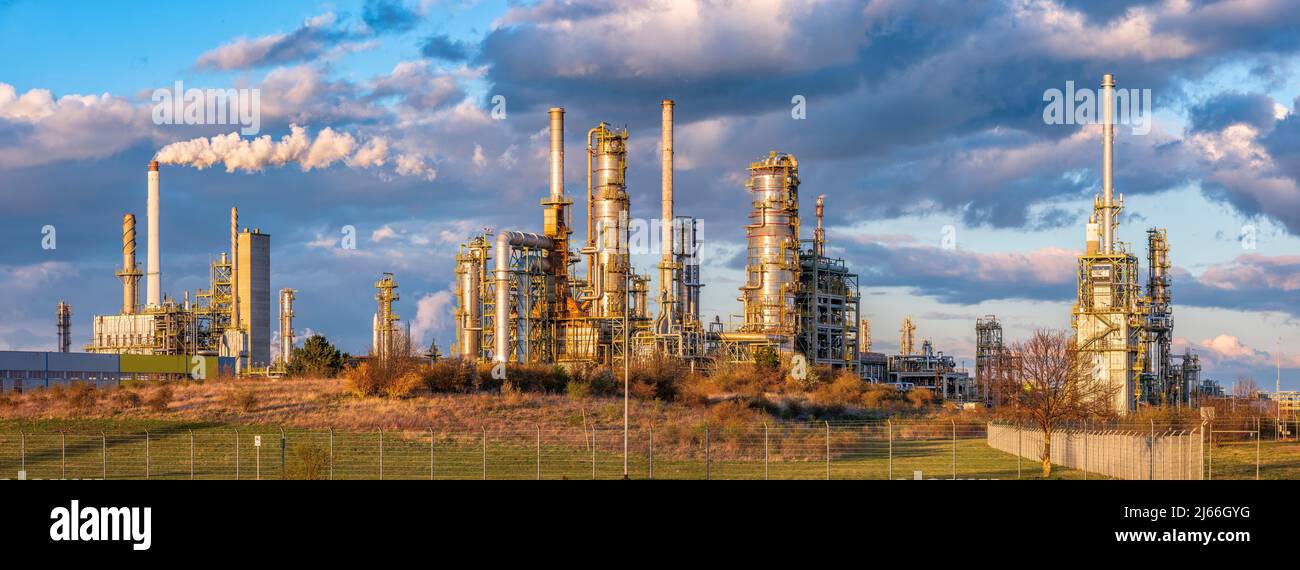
(921, 120)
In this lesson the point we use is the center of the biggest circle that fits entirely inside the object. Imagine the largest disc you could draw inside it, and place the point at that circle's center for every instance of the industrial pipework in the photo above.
(501, 320)
(63, 324)
(129, 274)
(153, 284)
(471, 264)
(773, 236)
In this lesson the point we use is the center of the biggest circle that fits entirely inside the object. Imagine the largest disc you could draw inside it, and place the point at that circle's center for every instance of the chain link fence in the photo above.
(779, 450)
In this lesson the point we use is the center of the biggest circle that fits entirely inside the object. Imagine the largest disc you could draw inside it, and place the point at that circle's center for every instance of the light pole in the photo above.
(627, 321)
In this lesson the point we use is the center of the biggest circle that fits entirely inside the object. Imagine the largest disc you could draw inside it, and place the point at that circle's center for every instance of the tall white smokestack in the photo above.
(667, 274)
(1108, 163)
(153, 285)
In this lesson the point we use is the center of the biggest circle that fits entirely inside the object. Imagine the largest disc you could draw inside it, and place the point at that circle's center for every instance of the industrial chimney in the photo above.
(63, 321)
(129, 274)
(153, 284)
(1108, 163)
(234, 268)
(286, 326)
(667, 273)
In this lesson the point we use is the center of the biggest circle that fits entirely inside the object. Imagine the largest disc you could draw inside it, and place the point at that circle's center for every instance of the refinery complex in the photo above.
(549, 297)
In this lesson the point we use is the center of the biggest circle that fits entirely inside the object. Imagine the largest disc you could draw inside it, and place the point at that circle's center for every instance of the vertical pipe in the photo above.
(557, 153)
(819, 237)
(1108, 163)
(153, 284)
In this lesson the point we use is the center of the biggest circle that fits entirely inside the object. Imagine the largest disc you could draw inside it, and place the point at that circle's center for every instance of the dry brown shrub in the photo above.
(159, 398)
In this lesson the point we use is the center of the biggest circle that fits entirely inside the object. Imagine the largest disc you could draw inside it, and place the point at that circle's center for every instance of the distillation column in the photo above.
(609, 261)
(469, 296)
(385, 319)
(63, 323)
(773, 242)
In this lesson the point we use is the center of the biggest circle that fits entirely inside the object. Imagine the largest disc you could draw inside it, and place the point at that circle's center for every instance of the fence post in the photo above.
(236, 455)
(103, 441)
(1086, 437)
(766, 451)
(828, 450)
(706, 452)
(1257, 434)
(954, 449)
(22, 445)
(191, 455)
(63, 442)
(485, 454)
(146, 454)
(1020, 448)
(593, 452)
(331, 454)
(283, 444)
(652, 452)
(381, 454)
(431, 454)
(539, 452)
(1151, 453)
(889, 426)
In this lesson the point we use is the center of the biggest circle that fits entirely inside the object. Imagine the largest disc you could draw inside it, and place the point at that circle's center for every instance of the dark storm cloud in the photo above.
(442, 46)
(385, 16)
(897, 92)
(1225, 109)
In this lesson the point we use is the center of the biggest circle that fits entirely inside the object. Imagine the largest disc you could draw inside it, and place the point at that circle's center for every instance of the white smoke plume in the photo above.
(298, 147)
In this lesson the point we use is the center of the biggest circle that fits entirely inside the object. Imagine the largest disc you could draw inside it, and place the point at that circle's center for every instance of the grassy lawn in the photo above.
(76, 449)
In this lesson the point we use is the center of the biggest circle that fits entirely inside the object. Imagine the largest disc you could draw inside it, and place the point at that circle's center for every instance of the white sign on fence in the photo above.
(257, 441)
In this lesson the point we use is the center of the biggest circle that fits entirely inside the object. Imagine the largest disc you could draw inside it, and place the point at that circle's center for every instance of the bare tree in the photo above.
(1050, 384)
(1245, 388)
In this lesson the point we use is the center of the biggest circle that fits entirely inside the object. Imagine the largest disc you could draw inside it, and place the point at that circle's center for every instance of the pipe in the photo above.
(557, 153)
(286, 325)
(667, 276)
(1108, 163)
(234, 268)
(153, 284)
(130, 276)
(501, 321)
(819, 237)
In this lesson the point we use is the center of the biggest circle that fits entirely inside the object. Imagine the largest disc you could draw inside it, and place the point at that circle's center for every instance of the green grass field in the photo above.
(76, 449)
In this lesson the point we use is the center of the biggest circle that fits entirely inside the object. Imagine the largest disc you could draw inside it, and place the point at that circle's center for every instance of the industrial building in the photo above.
(22, 371)
(524, 298)
(229, 319)
(1128, 335)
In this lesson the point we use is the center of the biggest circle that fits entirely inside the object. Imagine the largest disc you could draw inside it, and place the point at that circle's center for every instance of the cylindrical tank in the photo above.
(773, 243)
(286, 325)
(610, 214)
(1093, 237)
(469, 287)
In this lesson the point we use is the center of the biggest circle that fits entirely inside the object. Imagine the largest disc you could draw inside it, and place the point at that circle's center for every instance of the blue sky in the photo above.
(920, 115)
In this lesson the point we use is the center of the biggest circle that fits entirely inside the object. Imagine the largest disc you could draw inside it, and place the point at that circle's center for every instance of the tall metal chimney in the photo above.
(667, 273)
(129, 274)
(234, 268)
(153, 284)
(286, 325)
(63, 322)
(819, 236)
(1108, 163)
(556, 209)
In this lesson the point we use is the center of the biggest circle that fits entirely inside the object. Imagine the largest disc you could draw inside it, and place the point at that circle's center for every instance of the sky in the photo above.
(419, 123)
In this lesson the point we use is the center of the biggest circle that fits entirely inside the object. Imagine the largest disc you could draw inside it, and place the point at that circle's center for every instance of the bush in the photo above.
(83, 397)
(160, 398)
(242, 398)
(309, 462)
(451, 375)
(920, 398)
(124, 398)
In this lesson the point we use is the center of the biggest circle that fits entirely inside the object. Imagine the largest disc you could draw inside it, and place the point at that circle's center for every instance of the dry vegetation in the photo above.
(454, 395)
